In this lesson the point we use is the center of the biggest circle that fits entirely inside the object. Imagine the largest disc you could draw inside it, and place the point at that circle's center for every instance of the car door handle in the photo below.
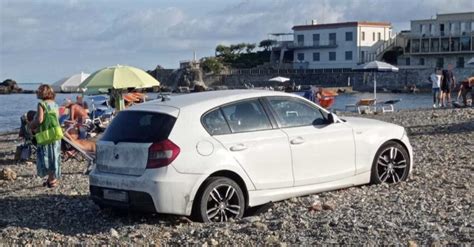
(238, 147)
(297, 140)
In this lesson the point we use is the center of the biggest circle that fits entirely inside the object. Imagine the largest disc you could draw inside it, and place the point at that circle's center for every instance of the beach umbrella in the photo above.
(70, 84)
(119, 77)
(116, 78)
(471, 61)
(279, 79)
(376, 66)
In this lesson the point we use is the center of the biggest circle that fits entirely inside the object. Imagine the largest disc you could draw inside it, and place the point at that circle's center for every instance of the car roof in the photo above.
(207, 100)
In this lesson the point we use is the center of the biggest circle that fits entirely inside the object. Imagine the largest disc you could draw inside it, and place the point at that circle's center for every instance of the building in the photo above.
(337, 45)
(446, 39)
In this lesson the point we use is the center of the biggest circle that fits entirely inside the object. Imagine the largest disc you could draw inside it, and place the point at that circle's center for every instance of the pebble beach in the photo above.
(434, 206)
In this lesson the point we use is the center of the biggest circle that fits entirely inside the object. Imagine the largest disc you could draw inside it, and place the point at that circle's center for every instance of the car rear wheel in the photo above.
(391, 164)
(220, 200)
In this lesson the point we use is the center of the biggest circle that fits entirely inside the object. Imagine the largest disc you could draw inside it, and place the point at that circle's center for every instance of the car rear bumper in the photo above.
(164, 189)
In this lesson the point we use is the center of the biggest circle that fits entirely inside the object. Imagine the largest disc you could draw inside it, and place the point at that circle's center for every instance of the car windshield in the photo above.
(139, 126)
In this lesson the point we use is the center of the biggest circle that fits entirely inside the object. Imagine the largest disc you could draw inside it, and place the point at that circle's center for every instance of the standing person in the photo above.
(466, 88)
(48, 161)
(447, 84)
(435, 79)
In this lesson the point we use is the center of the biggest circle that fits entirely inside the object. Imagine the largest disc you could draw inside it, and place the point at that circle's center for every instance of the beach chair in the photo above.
(363, 105)
(68, 144)
(387, 106)
(28, 148)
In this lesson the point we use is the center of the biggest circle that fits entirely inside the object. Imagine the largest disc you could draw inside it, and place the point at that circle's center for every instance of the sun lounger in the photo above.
(88, 155)
(387, 106)
(364, 105)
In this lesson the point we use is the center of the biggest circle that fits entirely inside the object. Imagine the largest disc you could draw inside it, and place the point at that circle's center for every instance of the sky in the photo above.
(44, 41)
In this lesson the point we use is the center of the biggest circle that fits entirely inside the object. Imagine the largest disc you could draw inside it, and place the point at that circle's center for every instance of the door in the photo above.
(245, 130)
(321, 151)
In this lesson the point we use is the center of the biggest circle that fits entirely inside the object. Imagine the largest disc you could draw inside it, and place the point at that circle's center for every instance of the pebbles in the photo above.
(433, 207)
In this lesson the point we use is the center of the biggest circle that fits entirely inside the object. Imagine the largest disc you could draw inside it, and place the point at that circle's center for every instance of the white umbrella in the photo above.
(376, 66)
(279, 79)
(70, 84)
(471, 61)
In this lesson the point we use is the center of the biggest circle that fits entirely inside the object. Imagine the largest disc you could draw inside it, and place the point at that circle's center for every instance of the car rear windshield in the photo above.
(139, 126)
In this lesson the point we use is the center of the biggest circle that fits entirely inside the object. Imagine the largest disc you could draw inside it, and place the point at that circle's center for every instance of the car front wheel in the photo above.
(220, 200)
(391, 164)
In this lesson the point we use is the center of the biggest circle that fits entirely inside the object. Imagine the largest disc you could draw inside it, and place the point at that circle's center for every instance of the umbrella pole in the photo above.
(375, 88)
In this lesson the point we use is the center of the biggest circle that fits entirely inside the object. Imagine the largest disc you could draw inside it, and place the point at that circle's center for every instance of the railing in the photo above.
(316, 45)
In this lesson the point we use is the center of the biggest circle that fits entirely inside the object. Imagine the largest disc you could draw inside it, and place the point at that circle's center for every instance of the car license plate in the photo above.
(116, 195)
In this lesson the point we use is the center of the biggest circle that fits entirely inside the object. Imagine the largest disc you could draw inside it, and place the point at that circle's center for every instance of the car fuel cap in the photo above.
(205, 148)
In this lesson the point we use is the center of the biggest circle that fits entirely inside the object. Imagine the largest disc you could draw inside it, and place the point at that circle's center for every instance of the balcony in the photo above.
(440, 45)
(316, 45)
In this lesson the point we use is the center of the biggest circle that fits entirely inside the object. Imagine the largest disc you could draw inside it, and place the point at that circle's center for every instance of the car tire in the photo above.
(391, 164)
(220, 199)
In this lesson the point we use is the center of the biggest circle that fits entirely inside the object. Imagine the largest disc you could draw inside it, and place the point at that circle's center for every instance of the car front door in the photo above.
(321, 151)
(262, 149)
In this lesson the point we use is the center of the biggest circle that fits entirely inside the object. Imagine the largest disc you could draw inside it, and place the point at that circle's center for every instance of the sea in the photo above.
(13, 106)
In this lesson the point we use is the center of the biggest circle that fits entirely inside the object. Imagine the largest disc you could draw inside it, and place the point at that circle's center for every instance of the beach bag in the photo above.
(50, 130)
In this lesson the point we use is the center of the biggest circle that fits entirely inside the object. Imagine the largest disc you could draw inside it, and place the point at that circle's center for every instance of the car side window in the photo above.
(293, 112)
(215, 123)
(246, 116)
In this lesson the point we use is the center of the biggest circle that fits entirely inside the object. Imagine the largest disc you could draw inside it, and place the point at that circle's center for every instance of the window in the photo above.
(460, 62)
(373, 36)
(421, 61)
(315, 56)
(362, 56)
(332, 56)
(440, 62)
(379, 36)
(363, 36)
(332, 38)
(348, 55)
(316, 39)
(293, 112)
(138, 126)
(300, 39)
(348, 36)
(407, 61)
(215, 123)
(300, 56)
(246, 116)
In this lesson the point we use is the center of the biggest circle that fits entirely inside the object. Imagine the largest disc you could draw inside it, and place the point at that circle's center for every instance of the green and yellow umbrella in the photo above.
(117, 77)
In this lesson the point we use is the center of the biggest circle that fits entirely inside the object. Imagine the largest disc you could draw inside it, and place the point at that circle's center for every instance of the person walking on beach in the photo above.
(447, 84)
(48, 161)
(435, 79)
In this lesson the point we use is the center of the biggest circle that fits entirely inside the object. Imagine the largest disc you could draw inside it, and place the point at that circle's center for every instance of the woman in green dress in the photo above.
(48, 160)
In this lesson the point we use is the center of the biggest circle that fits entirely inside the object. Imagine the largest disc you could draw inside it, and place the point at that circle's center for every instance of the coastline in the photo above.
(432, 207)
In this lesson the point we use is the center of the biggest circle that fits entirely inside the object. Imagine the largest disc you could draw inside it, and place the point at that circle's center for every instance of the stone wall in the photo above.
(327, 77)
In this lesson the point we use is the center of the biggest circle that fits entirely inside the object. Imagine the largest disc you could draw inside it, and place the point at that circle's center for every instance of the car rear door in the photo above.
(124, 148)
(321, 152)
(262, 150)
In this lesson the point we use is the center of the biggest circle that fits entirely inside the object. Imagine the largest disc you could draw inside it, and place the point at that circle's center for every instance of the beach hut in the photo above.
(70, 84)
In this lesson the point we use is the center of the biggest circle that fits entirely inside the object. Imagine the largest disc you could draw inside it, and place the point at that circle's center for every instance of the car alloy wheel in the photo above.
(392, 164)
(221, 200)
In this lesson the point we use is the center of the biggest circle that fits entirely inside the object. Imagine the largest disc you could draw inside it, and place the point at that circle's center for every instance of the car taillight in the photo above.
(161, 154)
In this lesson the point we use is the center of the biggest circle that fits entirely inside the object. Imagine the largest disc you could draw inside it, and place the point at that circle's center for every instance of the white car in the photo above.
(212, 155)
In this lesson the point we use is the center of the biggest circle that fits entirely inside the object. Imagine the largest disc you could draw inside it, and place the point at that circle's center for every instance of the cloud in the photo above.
(56, 38)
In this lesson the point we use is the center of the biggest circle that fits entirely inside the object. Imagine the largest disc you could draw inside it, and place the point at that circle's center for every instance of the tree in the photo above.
(212, 64)
(266, 44)
(222, 50)
(250, 48)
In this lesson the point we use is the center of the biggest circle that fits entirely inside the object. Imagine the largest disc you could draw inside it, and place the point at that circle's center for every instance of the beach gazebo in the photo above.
(70, 84)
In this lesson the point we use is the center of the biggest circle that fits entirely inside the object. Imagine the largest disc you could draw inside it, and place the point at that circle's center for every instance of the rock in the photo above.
(412, 243)
(8, 174)
(260, 226)
(251, 219)
(213, 242)
(316, 206)
(329, 206)
(114, 233)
